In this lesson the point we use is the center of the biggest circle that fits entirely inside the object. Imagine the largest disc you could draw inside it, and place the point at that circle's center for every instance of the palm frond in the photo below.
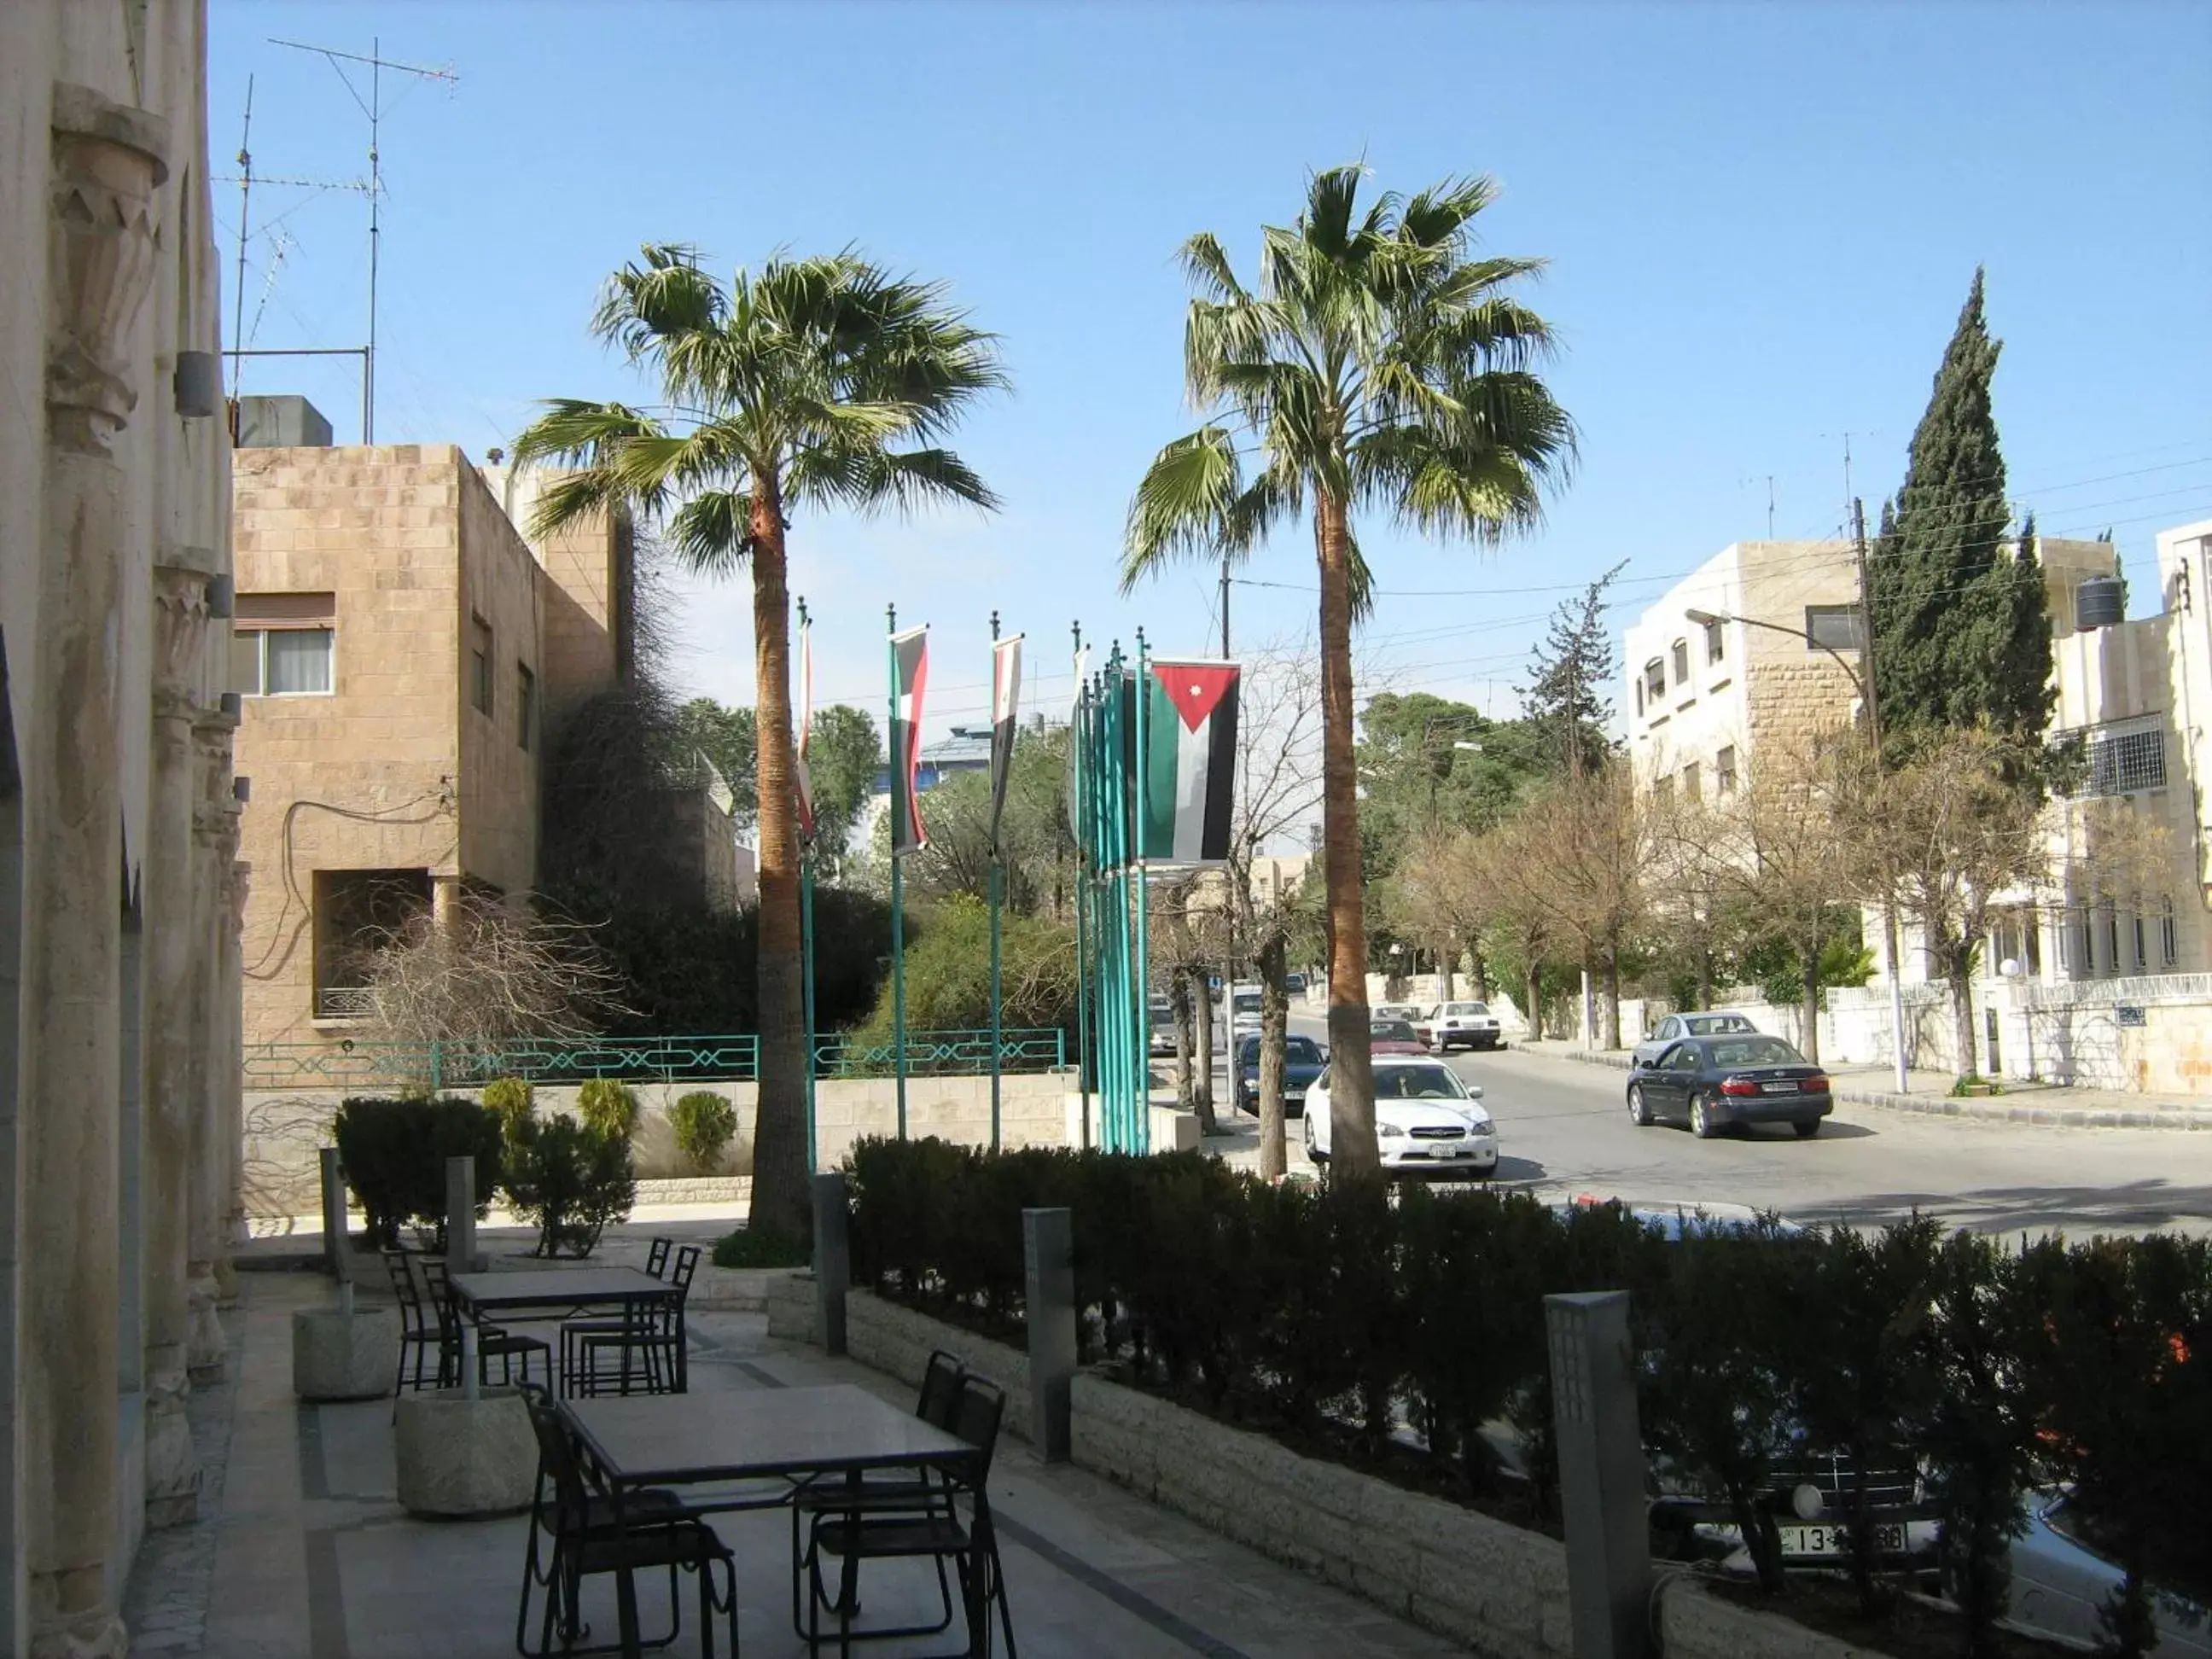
(1205, 264)
(1183, 503)
(1437, 217)
(713, 531)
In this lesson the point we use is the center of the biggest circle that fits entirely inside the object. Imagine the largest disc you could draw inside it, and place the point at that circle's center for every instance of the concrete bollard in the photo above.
(1048, 1260)
(1601, 1473)
(833, 1259)
(461, 1215)
(338, 1247)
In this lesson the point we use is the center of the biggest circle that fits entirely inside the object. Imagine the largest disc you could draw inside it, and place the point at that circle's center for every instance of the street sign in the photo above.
(2129, 1013)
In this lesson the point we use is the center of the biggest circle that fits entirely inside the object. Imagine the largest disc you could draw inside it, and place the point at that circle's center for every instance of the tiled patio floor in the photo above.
(305, 1554)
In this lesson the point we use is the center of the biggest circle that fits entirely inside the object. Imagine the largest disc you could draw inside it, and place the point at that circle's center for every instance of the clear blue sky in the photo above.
(1761, 219)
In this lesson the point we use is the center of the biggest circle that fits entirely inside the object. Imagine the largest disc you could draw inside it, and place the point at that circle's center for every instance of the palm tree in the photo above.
(1377, 364)
(794, 386)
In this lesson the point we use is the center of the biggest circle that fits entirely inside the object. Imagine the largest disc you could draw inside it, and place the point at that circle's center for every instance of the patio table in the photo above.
(693, 1439)
(563, 1291)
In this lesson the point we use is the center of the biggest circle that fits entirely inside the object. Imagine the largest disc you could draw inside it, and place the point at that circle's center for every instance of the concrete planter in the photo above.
(462, 1458)
(337, 1355)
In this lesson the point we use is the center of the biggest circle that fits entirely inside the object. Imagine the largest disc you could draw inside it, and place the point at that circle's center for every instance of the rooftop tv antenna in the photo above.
(372, 107)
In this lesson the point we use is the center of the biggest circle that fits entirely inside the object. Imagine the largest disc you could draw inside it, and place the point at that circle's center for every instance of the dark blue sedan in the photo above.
(1302, 1063)
(1717, 1083)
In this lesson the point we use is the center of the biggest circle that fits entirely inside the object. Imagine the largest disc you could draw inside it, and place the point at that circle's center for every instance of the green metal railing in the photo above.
(731, 1059)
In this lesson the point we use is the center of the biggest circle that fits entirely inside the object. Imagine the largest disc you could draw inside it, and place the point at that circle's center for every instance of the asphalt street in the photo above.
(1564, 1130)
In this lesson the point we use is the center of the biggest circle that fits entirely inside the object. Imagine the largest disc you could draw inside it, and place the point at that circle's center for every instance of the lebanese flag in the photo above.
(909, 672)
(1005, 696)
(1187, 801)
(800, 775)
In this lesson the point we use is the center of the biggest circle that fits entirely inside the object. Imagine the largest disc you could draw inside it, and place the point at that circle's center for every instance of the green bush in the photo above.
(569, 1181)
(705, 1124)
(609, 1107)
(948, 974)
(512, 1098)
(762, 1247)
(393, 1155)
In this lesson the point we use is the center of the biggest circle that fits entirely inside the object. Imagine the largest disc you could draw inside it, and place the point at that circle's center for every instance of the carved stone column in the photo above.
(173, 1089)
(106, 161)
(215, 849)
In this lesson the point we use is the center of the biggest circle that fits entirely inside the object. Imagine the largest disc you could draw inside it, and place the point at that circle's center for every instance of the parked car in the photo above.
(1810, 1492)
(2062, 1579)
(1243, 1013)
(1164, 1032)
(1717, 1022)
(1427, 1120)
(1303, 1061)
(1713, 1083)
(1450, 1025)
(1409, 1012)
(1393, 1037)
(1294, 984)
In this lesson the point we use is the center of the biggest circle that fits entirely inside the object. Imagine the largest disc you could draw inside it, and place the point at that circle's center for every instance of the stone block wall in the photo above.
(498, 781)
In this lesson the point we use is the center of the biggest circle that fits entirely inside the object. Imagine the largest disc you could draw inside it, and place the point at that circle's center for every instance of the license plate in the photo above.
(1777, 1087)
(1293, 1098)
(1827, 1539)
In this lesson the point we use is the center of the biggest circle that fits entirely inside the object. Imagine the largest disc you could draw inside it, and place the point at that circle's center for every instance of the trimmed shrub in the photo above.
(705, 1124)
(569, 1181)
(609, 1107)
(512, 1098)
(393, 1154)
(762, 1247)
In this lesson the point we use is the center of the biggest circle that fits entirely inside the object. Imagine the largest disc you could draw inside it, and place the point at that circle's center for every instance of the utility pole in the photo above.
(1867, 677)
(1230, 901)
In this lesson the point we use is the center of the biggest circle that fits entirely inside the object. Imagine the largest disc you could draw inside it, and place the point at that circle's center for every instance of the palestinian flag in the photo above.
(1189, 765)
(799, 777)
(909, 670)
(1005, 696)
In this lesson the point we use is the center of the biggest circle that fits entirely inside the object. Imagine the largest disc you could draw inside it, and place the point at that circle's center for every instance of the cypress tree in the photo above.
(1962, 625)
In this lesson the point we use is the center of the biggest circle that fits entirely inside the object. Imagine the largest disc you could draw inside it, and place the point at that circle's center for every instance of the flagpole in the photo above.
(900, 781)
(807, 930)
(998, 901)
(1075, 828)
(1141, 1129)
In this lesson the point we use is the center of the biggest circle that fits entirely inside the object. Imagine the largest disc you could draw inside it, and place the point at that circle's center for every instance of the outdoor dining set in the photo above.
(632, 1465)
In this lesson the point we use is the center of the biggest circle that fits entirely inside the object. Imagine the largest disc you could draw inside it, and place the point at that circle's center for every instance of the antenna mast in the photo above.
(372, 107)
(245, 207)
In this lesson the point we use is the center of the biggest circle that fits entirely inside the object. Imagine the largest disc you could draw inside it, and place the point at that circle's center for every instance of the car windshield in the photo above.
(1163, 1016)
(1389, 1031)
(1417, 1083)
(1301, 1051)
(1248, 1002)
(1754, 1051)
(1717, 1024)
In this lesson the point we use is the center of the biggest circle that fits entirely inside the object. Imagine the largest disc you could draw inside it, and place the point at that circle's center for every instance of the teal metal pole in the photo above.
(1078, 730)
(807, 963)
(998, 902)
(898, 780)
(1140, 1123)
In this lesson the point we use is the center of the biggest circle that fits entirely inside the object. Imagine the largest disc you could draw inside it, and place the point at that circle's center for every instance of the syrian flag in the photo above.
(1005, 696)
(800, 776)
(1189, 762)
(909, 670)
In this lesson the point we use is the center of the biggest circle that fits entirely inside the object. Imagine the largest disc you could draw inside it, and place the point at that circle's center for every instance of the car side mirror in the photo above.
(1475, 1091)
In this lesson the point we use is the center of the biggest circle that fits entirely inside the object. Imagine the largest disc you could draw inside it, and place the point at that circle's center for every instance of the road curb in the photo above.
(2175, 1120)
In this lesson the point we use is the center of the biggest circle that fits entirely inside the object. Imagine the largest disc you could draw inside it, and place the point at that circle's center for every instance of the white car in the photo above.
(1713, 1022)
(1450, 1025)
(2061, 1582)
(1425, 1120)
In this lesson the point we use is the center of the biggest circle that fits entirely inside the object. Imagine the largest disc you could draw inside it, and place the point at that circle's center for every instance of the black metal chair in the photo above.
(937, 1404)
(420, 1333)
(656, 1257)
(587, 1534)
(493, 1341)
(647, 1341)
(862, 1531)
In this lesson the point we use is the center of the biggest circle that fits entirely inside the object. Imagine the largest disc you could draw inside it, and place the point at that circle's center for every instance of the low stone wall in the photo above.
(1499, 1588)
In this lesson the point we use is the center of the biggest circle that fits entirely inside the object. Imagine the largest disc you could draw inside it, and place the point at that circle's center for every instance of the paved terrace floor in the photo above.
(301, 1551)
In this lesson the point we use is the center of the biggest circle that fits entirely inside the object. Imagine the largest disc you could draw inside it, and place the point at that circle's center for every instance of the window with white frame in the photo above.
(282, 645)
(1724, 771)
(1681, 662)
(1832, 627)
(1654, 679)
(1715, 641)
(1690, 789)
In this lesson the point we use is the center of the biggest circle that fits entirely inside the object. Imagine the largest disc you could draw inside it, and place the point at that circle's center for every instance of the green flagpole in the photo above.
(1078, 828)
(1140, 1126)
(806, 947)
(899, 785)
(998, 901)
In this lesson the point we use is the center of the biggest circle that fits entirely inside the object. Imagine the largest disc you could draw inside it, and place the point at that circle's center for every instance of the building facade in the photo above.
(118, 880)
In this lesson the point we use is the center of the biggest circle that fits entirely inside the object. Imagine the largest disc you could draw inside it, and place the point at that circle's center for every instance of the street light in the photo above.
(1863, 683)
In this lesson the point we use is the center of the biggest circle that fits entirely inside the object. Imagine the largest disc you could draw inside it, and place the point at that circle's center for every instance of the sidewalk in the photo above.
(2042, 1105)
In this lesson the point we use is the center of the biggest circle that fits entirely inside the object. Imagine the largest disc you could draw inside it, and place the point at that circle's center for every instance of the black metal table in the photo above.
(564, 1291)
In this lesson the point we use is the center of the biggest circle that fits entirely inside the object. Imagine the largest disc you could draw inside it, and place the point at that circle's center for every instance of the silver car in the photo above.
(1717, 1022)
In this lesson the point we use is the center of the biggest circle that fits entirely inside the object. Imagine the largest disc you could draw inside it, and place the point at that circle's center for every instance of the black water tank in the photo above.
(2099, 601)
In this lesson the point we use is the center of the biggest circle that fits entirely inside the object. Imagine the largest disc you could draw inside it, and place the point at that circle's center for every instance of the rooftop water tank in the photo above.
(2099, 601)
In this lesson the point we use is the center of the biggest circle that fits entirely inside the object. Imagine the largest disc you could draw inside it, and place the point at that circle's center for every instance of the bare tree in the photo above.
(1494, 866)
(1592, 865)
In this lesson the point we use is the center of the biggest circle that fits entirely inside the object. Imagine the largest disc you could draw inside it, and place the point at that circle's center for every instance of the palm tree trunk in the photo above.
(1274, 1016)
(1352, 1075)
(780, 1172)
(1959, 970)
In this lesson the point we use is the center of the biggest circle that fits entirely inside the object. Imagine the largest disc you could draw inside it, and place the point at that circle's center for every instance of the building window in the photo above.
(2031, 937)
(282, 644)
(2111, 930)
(1832, 627)
(1639, 696)
(2143, 940)
(1654, 679)
(2169, 935)
(480, 661)
(1663, 789)
(1681, 662)
(526, 704)
(1690, 782)
(358, 913)
(1724, 771)
(1716, 642)
(2085, 960)
(2123, 762)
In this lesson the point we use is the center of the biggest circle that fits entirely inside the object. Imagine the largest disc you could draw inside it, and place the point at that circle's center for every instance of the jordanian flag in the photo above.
(1005, 696)
(1189, 762)
(909, 670)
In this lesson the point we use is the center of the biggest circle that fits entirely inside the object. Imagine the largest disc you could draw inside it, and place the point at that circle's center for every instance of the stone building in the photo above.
(404, 652)
(119, 885)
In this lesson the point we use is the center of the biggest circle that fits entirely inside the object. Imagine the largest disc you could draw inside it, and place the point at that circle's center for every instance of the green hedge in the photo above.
(1335, 1315)
(393, 1155)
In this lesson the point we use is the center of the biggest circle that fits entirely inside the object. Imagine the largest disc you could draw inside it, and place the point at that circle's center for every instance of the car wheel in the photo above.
(1701, 1122)
(1639, 1113)
(1808, 1129)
